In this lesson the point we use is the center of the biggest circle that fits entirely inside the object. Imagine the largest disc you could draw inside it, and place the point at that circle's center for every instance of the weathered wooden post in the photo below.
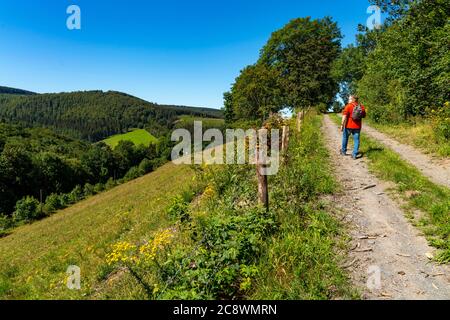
(300, 116)
(263, 192)
(284, 143)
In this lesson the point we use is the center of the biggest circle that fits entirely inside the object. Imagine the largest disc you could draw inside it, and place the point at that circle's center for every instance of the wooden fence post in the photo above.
(284, 142)
(263, 192)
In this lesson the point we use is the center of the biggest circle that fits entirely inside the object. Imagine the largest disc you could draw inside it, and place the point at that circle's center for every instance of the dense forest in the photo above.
(93, 115)
(401, 70)
(38, 163)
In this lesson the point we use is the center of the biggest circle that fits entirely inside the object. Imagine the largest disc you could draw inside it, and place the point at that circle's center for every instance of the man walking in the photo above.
(352, 117)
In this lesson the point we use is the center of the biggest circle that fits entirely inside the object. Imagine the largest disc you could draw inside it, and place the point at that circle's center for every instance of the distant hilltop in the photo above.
(91, 115)
(8, 90)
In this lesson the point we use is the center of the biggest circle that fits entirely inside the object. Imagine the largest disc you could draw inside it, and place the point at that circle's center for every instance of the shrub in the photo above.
(132, 174)
(88, 190)
(99, 187)
(146, 166)
(179, 209)
(64, 200)
(27, 209)
(441, 121)
(76, 194)
(111, 183)
(5, 223)
(52, 203)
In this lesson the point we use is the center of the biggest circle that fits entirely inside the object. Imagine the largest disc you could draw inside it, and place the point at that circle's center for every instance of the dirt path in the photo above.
(383, 241)
(437, 171)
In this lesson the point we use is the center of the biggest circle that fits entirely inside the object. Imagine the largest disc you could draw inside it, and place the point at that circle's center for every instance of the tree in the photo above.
(348, 69)
(396, 9)
(99, 163)
(228, 111)
(50, 170)
(405, 74)
(302, 54)
(256, 93)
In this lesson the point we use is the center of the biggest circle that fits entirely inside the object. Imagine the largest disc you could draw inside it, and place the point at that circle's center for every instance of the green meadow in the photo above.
(137, 136)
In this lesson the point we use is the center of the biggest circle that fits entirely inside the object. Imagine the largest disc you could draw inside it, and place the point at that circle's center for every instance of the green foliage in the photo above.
(76, 194)
(145, 166)
(441, 122)
(348, 69)
(179, 209)
(255, 93)
(35, 161)
(53, 203)
(132, 174)
(27, 209)
(294, 70)
(406, 65)
(302, 53)
(5, 223)
(88, 190)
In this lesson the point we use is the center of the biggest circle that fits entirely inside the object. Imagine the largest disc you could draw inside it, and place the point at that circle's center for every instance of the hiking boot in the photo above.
(342, 153)
(354, 157)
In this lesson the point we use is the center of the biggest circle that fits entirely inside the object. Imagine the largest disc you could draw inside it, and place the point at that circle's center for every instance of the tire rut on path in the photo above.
(438, 171)
(383, 240)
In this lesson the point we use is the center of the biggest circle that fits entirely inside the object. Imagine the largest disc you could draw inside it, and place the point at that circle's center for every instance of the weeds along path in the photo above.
(383, 241)
(437, 170)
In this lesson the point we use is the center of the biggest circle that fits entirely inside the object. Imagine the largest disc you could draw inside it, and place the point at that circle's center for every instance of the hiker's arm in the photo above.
(344, 121)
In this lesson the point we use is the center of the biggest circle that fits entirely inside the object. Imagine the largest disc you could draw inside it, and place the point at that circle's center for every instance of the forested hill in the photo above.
(92, 115)
(9, 90)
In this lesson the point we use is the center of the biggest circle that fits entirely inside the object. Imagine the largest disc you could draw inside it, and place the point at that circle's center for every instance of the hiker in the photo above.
(352, 117)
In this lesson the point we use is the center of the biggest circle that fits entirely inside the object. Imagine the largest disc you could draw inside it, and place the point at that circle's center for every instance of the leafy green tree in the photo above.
(256, 93)
(302, 53)
(348, 69)
(228, 107)
(98, 162)
(54, 175)
(395, 9)
(407, 73)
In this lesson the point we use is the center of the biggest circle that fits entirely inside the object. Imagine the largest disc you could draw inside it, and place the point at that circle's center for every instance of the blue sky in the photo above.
(166, 51)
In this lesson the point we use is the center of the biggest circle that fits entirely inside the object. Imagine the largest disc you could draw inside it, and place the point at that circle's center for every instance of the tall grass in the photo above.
(420, 134)
(301, 261)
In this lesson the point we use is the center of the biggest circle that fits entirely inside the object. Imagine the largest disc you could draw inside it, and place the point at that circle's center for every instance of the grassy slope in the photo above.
(138, 136)
(420, 135)
(416, 191)
(34, 259)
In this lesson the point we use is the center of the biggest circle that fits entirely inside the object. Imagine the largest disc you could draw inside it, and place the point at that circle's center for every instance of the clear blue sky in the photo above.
(165, 51)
